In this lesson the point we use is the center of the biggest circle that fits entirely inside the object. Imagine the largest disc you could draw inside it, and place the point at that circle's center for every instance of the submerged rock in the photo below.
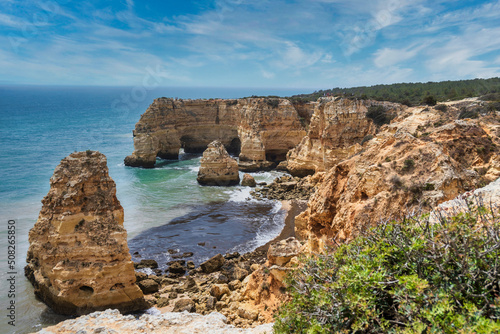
(217, 167)
(78, 260)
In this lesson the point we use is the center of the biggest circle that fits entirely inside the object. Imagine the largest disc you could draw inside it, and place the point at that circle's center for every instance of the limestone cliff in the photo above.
(260, 130)
(335, 133)
(424, 157)
(78, 260)
(217, 167)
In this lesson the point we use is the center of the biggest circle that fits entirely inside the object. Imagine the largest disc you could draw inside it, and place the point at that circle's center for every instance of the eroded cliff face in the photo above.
(335, 133)
(260, 130)
(424, 157)
(78, 260)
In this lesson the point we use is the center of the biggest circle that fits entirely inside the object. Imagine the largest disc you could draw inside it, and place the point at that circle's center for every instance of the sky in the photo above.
(313, 44)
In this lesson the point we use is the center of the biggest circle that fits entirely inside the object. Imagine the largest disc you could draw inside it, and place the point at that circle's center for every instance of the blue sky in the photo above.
(247, 43)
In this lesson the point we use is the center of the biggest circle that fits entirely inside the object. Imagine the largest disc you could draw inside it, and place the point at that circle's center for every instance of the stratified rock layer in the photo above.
(338, 127)
(78, 259)
(260, 130)
(424, 157)
(217, 167)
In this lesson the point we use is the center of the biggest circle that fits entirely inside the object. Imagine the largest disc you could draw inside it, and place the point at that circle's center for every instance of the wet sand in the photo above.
(293, 208)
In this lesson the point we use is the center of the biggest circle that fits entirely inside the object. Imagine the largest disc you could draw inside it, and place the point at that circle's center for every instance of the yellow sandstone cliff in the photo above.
(424, 157)
(260, 130)
(337, 128)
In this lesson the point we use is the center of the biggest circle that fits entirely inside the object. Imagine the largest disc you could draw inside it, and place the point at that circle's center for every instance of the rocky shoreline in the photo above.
(213, 296)
(352, 171)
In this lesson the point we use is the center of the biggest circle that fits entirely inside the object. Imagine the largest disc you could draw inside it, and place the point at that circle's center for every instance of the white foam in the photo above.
(147, 271)
(266, 232)
(240, 194)
(153, 311)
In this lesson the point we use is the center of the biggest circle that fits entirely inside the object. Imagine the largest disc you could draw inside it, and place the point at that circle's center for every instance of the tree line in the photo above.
(415, 93)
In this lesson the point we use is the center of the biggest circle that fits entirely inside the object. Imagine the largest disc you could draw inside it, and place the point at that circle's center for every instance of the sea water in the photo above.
(164, 207)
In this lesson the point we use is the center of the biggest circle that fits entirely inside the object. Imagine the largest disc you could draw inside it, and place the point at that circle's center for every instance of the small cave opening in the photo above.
(234, 147)
(87, 290)
(117, 286)
(191, 145)
(276, 155)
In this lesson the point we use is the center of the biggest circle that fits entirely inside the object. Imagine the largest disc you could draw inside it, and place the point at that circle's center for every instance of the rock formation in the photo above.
(260, 130)
(248, 181)
(337, 129)
(421, 159)
(217, 167)
(78, 260)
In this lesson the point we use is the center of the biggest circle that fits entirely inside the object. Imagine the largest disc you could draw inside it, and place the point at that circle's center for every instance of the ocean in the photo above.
(164, 207)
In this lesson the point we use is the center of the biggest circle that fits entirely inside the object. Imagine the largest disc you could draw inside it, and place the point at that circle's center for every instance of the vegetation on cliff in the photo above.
(427, 274)
(416, 93)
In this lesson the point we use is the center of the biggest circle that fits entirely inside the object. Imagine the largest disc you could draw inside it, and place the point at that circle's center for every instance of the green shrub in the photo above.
(490, 97)
(470, 113)
(379, 115)
(412, 276)
(409, 164)
(366, 138)
(441, 107)
(429, 186)
(273, 102)
(493, 106)
(430, 100)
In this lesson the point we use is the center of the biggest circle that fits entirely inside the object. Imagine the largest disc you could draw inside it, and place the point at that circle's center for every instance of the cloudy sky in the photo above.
(247, 43)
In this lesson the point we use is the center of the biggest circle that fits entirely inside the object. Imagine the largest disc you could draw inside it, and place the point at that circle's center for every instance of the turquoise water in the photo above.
(41, 125)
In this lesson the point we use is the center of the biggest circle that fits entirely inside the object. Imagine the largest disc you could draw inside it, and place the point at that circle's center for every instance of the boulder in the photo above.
(213, 264)
(190, 265)
(211, 300)
(176, 268)
(281, 252)
(149, 286)
(162, 302)
(185, 304)
(146, 264)
(139, 276)
(217, 167)
(219, 290)
(248, 181)
(246, 313)
(239, 273)
(78, 259)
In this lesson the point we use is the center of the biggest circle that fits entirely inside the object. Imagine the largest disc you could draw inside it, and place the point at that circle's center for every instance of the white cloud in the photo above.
(12, 21)
(268, 75)
(387, 57)
(461, 55)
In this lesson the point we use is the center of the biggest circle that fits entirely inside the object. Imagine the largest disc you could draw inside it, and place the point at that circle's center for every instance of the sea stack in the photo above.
(78, 259)
(217, 167)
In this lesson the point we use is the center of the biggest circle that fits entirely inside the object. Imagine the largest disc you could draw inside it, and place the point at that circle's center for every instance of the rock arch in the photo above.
(247, 127)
